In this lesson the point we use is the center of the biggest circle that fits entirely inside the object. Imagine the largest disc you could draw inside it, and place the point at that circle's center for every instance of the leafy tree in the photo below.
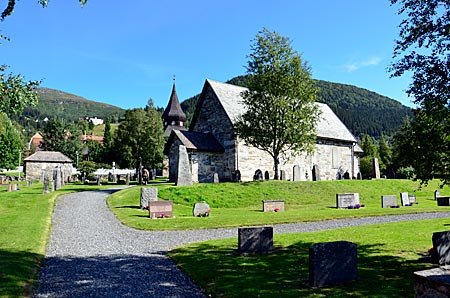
(385, 152)
(15, 92)
(423, 49)
(10, 143)
(140, 135)
(62, 136)
(9, 9)
(369, 148)
(280, 116)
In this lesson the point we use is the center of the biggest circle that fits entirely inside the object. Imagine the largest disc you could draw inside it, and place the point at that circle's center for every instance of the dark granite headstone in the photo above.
(441, 247)
(282, 175)
(148, 194)
(345, 200)
(443, 201)
(404, 197)
(266, 175)
(346, 176)
(332, 263)
(184, 176)
(236, 176)
(359, 176)
(255, 240)
(201, 209)
(160, 209)
(316, 173)
(433, 282)
(388, 201)
(258, 175)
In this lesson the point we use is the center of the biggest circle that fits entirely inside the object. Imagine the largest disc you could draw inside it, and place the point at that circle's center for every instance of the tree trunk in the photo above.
(275, 167)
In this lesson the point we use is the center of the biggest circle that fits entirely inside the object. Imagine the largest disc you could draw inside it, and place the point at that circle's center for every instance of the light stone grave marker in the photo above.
(160, 209)
(216, 178)
(332, 263)
(282, 175)
(184, 176)
(148, 194)
(345, 200)
(376, 169)
(255, 240)
(437, 194)
(201, 210)
(404, 197)
(273, 205)
(412, 198)
(388, 201)
(296, 173)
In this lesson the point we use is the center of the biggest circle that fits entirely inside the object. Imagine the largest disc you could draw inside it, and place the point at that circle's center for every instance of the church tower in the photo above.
(173, 116)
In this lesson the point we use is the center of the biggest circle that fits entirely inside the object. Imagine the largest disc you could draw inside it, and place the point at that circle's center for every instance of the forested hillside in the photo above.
(58, 104)
(362, 111)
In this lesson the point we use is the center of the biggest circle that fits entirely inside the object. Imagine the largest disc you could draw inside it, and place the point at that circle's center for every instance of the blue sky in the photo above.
(125, 52)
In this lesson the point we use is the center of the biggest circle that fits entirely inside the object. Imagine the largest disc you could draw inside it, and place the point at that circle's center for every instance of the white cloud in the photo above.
(351, 67)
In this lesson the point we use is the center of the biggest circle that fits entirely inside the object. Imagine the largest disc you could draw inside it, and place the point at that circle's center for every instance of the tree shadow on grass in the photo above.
(285, 272)
(17, 270)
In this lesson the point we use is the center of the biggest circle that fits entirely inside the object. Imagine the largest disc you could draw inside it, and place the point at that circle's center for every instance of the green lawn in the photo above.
(388, 254)
(25, 222)
(239, 204)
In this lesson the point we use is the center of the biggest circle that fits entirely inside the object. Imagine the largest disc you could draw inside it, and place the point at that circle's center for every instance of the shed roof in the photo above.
(48, 156)
(329, 125)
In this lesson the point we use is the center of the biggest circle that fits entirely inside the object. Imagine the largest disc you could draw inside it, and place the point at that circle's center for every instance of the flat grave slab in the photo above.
(160, 209)
(255, 240)
(273, 205)
(345, 200)
(388, 201)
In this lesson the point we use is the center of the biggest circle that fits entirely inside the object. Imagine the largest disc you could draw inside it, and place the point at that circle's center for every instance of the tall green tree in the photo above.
(60, 135)
(280, 116)
(10, 144)
(139, 136)
(385, 153)
(423, 49)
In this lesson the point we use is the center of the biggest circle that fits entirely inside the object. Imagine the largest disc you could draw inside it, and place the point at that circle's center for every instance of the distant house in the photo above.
(214, 147)
(41, 162)
(36, 142)
(96, 121)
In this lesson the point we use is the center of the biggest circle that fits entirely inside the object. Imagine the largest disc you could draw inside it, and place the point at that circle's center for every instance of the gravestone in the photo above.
(433, 282)
(376, 169)
(345, 200)
(437, 194)
(404, 197)
(388, 201)
(184, 176)
(316, 173)
(346, 176)
(332, 263)
(148, 194)
(127, 179)
(46, 184)
(216, 178)
(359, 176)
(296, 173)
(273, 205)
(441, 247)
(255, 240)
(443, 201)
(412, 198)
(201, 209)
(258, 175)
(282, 175)
(160, 209)
(10, 187)
(236, 176)
(266, 175)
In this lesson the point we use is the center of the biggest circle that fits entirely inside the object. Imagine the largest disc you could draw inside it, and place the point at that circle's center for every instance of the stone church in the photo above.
(214, 147)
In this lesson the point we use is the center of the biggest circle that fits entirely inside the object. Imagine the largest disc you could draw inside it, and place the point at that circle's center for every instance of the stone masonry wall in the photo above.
(212, 118)
(35, 170)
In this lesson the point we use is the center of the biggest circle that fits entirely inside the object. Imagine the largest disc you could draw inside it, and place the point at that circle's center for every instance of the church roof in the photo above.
(329, 125)
(197, 141)
(173, 111)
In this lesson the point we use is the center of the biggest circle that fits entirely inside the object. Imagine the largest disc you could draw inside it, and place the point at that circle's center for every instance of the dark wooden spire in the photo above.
(173, 115)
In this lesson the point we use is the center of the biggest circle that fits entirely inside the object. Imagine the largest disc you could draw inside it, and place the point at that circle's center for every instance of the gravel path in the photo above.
(91, 254)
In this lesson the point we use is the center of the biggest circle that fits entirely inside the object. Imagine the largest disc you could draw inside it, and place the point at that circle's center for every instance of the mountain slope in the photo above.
(361, 110)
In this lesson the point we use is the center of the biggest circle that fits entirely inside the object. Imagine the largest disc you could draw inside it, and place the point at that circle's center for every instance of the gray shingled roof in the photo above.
(198, 141)
(48, 156)
(329, 125)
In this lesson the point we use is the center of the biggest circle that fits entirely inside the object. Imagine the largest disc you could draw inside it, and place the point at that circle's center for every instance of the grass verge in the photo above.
(239, 204)
(388, 254)
(25, 224)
